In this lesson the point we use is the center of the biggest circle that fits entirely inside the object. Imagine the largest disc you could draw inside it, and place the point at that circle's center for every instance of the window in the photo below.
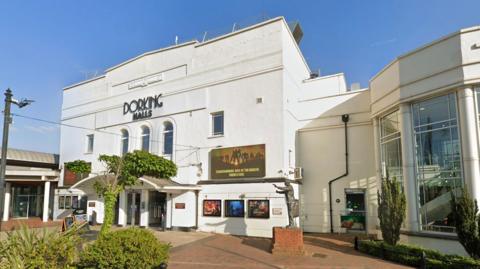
(145, 138)
(124, 142)
(438, 160)
(71, 202)
(391, 146)
(167, 138)
(89, 148)
(217, 123)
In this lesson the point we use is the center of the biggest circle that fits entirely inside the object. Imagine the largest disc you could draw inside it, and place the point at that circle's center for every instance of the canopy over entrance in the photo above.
(160, 184)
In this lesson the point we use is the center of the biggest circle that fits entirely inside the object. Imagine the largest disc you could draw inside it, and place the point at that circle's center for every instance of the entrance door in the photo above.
(355, 207)
(20, 206)
(133, 206)
(157, 208)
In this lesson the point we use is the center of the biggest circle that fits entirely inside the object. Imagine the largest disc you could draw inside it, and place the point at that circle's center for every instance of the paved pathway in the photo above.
(225, 251)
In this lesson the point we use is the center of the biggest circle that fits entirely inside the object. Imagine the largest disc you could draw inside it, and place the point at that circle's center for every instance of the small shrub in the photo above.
(127, 248)
(465, 215)
(29, 248)
(391, 209)
(411, 255)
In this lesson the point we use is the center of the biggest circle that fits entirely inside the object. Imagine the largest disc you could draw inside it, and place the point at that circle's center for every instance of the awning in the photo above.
(160, 184)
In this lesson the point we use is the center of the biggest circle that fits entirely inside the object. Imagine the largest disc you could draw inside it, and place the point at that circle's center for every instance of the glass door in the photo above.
(133, 208)
(20, 206)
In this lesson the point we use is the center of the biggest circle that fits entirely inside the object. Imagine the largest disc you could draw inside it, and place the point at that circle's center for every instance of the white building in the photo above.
(240, 112)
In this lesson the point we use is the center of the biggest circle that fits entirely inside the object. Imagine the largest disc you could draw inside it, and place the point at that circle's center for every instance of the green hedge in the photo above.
(411, 255)
(127, 248)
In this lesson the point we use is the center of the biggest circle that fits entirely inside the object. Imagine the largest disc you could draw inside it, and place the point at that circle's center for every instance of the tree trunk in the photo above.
(110, 198)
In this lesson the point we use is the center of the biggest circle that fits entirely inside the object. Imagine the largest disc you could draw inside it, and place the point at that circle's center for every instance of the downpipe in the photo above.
(345, 119)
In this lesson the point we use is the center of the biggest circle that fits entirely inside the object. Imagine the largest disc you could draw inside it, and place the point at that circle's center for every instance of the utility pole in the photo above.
(7, 119)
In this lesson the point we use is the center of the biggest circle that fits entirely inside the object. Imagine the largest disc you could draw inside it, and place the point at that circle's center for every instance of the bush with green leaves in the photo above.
(467, 222)
(34, 248)
(126, 248)
(411, 255)
(79, 167)
(391, 210)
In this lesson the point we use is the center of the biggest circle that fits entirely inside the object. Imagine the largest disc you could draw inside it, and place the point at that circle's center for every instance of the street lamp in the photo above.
(7, 119)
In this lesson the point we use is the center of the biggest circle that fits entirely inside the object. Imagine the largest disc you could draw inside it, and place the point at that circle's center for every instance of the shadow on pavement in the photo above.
(264, 244)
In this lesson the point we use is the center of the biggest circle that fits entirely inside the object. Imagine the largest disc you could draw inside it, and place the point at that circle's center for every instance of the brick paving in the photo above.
(226, 251)
(14, 224)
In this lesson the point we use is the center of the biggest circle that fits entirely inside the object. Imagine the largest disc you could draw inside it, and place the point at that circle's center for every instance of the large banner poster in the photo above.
(238, 162)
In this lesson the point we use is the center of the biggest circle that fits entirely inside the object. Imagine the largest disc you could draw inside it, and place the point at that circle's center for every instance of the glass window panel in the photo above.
(74, 202)
(124, 141)
(217, 121)
(61, 202)
(391, 147)
(90, 143)
(68, 202)
(145, 138)
(438, 161)
(168, 139)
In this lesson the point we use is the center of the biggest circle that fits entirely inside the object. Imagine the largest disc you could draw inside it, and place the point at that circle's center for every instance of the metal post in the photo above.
(3, 165)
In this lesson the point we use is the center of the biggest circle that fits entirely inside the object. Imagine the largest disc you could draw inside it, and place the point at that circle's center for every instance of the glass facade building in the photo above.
(391, 146)
(438, 160)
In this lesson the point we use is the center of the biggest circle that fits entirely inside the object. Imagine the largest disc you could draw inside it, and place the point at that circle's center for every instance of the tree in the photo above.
(391, 210)
(125, 171)
(467, 222)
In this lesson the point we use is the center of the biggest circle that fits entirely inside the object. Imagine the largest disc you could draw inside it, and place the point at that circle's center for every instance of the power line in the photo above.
(189, 147)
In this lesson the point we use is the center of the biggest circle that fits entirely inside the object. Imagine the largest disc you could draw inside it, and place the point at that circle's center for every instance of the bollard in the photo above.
(355, 243)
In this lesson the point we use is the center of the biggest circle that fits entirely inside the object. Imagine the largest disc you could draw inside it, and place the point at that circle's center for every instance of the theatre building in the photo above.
(31, 178)
(241, 112)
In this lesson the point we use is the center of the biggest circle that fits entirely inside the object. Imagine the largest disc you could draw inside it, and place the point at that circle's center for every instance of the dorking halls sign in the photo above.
(238, 162)
(142, 108)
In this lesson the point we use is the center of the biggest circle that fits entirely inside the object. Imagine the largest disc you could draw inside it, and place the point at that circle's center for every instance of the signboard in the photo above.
(212, 208)
(67, 223)
(235, 208)
(277, 211)
(259, 209)
(353, 222)
(179, 205)
(238, 162)
(142, 108)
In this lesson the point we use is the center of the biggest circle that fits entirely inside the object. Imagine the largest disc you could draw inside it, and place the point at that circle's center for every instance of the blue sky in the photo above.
(47, 45)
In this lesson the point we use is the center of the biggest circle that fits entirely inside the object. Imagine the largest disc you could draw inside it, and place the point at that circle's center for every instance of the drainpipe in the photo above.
(196, 209)
(345, 119)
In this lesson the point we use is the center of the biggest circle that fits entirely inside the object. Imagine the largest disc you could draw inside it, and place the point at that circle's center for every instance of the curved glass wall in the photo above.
(391, 146)
(438, 160)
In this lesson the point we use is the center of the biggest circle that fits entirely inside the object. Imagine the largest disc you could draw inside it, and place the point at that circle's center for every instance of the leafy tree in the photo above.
(125, 171)
(391, 210)
(467, 222)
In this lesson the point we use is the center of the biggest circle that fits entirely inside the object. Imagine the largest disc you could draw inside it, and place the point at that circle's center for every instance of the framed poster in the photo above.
(259, 209)
(212, 208)
(235, 208)
(238, 162)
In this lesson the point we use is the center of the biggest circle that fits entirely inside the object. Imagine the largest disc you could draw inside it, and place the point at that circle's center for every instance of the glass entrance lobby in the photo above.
(27, 201)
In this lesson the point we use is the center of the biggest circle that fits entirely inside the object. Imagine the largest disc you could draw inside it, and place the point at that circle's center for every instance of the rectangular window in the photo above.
(391, 146)
(70, 202)
(438, 160)
(217, 123)
(89, 148)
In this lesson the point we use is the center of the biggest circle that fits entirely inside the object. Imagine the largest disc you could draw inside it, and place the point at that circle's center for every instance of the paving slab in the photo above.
(227, 251)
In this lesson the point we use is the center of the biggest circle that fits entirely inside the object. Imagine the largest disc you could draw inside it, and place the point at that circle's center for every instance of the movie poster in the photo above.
(212, 208)
(259, 209)
(235, 208)
(238, 162)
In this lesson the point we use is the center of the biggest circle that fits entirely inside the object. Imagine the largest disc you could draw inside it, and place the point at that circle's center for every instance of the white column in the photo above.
(46, 200)
(469, 141)
(6, 204)
(122, 209)
(144, 208)
(408, 161)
